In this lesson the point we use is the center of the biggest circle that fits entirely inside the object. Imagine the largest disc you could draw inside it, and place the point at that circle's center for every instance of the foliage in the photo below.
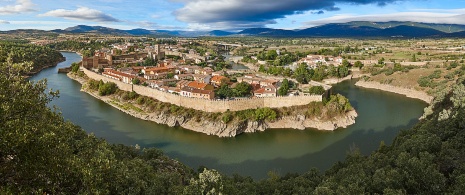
(227, 116)
(265, 113)
(107, 88)
(302, 74)
(316, 90)
(242, 89)
(38, 56)
(136, 81)
(358, 64)
(283, 90)
(149, 62)
(224, 91)
(41, 153)
(74, 67)
(209, 182)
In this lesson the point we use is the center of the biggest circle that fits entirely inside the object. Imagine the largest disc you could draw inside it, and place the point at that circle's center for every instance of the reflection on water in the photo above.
(381, 116)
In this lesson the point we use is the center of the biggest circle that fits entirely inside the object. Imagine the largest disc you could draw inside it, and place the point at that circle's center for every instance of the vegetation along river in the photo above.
(381, 116)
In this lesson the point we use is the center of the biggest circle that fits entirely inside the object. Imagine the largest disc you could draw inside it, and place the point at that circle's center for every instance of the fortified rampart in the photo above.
(210, 105)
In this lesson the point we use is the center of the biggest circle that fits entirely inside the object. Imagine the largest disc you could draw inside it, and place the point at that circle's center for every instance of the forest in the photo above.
(42, 153)
(38, 56)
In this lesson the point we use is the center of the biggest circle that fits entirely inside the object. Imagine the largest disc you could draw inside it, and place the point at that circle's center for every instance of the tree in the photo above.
(345, 63)
(343, 71)
(224, 91)
(271, 55)
(107, 88)
(358, 64)
(74, 67)
(301, 73)
(381, 61)
(316, 90)
(262, 68)
(136, 81)
(283, 90)
(242, 89)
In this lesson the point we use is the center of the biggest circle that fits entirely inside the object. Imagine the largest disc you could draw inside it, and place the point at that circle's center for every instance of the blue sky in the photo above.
(220, 14)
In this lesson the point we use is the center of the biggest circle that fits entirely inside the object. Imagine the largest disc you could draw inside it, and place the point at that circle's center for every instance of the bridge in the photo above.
(227, 46)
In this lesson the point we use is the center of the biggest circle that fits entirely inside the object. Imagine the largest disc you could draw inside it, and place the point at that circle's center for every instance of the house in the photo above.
(197, 93)
(156, 70)
(250, 79)
(218, 73)
(125, 78)
(182, 83)
(154, 83)
(198, 85)
(207, 71)
(186, 92)
(268, 82)
(218, 80)
(267, 91)
(169, 82)
(156, 76)
(184, 77)
(129, 70)
(201, 78)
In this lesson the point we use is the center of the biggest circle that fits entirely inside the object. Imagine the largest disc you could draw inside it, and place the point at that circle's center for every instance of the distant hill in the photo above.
(447, 28)
(359, 29)
(265, 32)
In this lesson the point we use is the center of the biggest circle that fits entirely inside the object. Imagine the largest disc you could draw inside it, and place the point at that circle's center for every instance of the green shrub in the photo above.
(424, 81)
(132, 95)
(435, 75)
(265, 113)
(74, 67)
(107, 88)
(226, 117)
(317, 90)
(140, 100)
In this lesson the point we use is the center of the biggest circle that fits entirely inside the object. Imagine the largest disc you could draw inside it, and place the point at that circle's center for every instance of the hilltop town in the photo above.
(192, 74)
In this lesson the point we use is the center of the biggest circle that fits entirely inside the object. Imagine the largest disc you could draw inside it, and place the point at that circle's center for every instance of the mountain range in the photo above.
(359, 29)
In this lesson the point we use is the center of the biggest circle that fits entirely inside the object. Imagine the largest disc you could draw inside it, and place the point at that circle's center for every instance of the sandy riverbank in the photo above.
(411, 93)
(232, 128)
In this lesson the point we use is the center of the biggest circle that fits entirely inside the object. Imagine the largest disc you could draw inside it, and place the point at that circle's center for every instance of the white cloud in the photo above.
(425, 17)
(82, 13)
(20, 7)
(4, 22)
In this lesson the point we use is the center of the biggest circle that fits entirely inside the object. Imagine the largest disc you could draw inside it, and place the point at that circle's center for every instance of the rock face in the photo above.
(411, 93)
(235, 127)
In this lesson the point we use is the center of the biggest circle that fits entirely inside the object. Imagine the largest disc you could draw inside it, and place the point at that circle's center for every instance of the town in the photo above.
(165, 68)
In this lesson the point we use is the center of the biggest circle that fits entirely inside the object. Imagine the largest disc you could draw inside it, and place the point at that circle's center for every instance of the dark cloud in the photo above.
(318, 12)
(214, 12)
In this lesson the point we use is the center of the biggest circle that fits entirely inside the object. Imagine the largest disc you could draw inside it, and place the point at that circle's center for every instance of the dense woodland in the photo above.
(38, 56)
(42, 153)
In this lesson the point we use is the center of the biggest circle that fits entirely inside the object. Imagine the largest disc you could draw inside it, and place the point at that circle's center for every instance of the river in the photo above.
(381, 116)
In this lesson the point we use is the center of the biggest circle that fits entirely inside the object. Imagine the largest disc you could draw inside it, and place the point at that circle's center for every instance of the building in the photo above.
(203, 86)
(218, 80)
(123, 77)
(201, 78)
(267, 91)
(197, 93)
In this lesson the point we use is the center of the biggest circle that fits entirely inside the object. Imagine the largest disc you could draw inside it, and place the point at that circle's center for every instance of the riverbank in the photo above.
(219, 128)
(32, 73)
(411, 93)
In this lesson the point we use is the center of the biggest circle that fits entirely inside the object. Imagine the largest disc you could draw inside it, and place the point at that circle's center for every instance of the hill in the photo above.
(348, 30)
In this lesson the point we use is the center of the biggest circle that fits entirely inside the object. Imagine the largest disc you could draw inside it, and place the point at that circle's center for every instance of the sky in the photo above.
(230, 15)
